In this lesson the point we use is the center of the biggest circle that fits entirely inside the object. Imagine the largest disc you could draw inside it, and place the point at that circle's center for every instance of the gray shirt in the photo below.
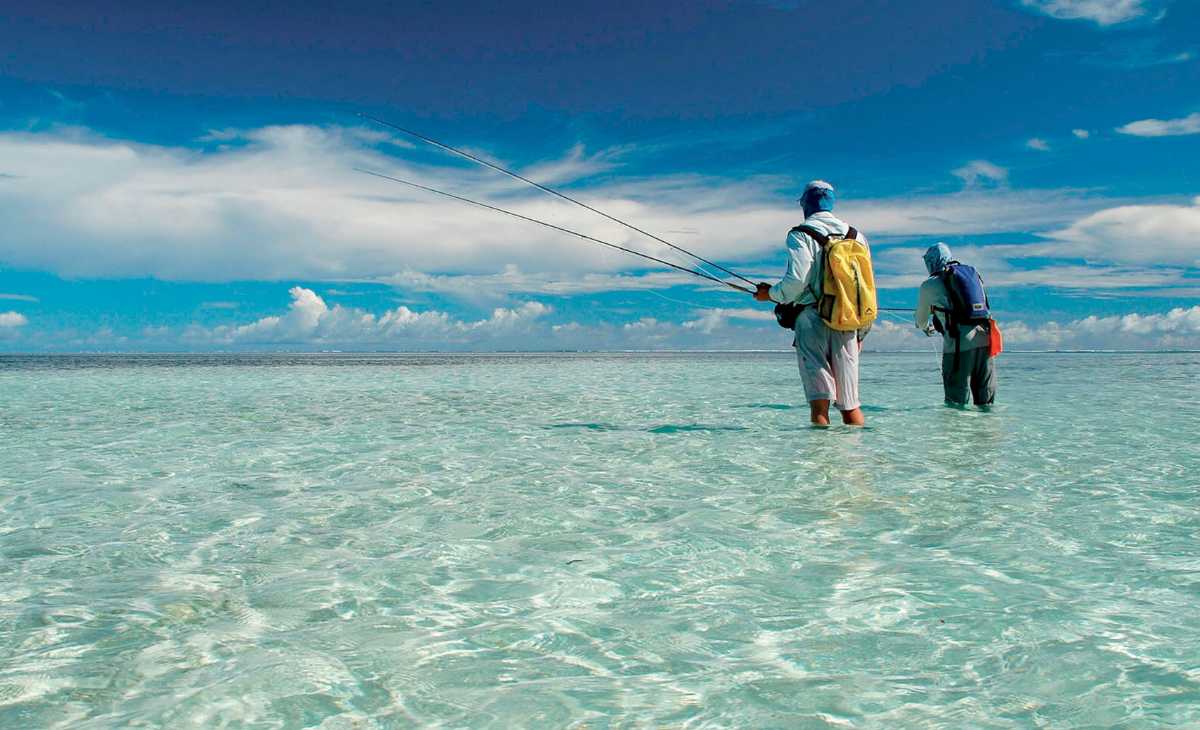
(933, 294)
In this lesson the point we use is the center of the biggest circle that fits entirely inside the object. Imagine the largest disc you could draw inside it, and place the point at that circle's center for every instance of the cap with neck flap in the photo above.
(818, 195)
(936, 258)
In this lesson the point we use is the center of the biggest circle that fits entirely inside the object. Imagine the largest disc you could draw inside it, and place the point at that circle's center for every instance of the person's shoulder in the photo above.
(798, 236)
(823, 220)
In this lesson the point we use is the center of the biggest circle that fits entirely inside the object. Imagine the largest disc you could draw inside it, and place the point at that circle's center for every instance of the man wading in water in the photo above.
(952, 301)
(828, 290)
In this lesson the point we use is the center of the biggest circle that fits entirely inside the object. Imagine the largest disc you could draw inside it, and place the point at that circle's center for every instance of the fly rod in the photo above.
(584, 236)
(551, 191)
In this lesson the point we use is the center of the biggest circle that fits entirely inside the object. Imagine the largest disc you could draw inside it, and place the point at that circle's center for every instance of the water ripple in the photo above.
(577, 541)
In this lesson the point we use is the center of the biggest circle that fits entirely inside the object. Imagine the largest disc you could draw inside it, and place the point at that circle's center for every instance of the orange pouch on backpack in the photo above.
(995, 340)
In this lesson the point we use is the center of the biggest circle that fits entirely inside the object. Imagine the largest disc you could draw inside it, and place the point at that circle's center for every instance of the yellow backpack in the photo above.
(847, 297)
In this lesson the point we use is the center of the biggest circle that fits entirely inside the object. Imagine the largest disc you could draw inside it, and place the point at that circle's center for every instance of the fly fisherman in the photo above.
(952, 301)
(828, 327)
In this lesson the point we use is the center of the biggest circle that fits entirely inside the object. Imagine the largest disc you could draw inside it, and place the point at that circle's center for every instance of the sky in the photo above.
(184, 176)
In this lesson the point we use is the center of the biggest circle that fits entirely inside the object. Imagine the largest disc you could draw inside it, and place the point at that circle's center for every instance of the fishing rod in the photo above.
(551, 191)
(695, 272)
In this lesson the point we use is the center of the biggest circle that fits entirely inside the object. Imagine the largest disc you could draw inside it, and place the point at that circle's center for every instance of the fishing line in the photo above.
(551, 191)
(680, 301)
(584, 236)
(905, 320)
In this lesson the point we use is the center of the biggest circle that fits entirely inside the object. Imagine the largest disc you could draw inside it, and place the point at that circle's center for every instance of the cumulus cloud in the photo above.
(1145, 234)
(1101, 12)
(281, 202)
(285, 203)
(1163, 127)
(12, 320)
(11, 325)
(1039, 144)
(714, 318)
(1178, 329)
(981, 172)
(310, 321)
(1081, 133)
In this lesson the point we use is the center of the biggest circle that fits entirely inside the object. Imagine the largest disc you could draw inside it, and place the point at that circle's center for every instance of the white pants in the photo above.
(828, 361)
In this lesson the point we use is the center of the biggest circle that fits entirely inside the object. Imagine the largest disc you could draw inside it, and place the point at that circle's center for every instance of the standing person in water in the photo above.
(952, 301)
(829, 326)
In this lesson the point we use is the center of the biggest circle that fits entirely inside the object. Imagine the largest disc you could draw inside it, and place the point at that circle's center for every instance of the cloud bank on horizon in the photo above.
(1084, 229)
(311, 323)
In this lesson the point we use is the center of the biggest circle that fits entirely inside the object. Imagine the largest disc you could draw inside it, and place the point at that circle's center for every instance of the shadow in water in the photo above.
(587, 426)
(671, 428)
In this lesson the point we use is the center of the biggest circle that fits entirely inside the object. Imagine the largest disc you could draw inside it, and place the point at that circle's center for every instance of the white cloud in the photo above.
(19, 297)
(311, 324)
(1174, 330)
(1143, 234)
(1178, 329)
(282, 202)
(714, 318)
(1081, 133)
(576, 165)
(511, 280)
(974, 211)
(1163, 127)
(1101, 12)
(977, 172)
(12, 320)
(309, 321)
(285, 203)
(1039, 144)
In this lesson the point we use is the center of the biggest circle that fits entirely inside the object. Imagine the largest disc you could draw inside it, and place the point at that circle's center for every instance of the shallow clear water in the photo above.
(489, 541)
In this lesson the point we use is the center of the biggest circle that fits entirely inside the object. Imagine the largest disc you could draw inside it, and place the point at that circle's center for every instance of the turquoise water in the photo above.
(595, 541)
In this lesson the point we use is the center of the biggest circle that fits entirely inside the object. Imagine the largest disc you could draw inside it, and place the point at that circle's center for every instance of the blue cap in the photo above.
(817, 195)
(936, 257)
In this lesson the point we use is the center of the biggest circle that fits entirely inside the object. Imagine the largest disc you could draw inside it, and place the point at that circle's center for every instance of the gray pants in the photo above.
(975, 375)
(828, 361)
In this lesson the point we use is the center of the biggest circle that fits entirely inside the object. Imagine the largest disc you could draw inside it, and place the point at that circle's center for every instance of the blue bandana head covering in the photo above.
(818, 195)
(936, 258)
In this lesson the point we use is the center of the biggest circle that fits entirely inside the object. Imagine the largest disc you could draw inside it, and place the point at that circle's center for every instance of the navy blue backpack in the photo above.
(969, 305)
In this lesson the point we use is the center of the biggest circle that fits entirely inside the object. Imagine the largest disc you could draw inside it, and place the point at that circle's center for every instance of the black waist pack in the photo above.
(786, 314)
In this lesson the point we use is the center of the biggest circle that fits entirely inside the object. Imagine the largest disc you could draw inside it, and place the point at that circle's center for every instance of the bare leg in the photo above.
(854, 417)
(819, 412)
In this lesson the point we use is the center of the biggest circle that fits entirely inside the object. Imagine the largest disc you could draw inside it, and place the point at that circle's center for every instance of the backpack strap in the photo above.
(816, 235)
(821, 238)
(823, 242)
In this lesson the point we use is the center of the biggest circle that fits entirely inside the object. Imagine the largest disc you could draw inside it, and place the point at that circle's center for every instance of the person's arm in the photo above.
(924, 308)
(800, 261)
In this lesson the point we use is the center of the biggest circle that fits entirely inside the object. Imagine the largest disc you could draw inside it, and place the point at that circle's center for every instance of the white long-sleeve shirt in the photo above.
(933, 294)
(801, 283)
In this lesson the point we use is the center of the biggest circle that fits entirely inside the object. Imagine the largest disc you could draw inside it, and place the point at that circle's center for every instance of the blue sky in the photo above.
(180, 177)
